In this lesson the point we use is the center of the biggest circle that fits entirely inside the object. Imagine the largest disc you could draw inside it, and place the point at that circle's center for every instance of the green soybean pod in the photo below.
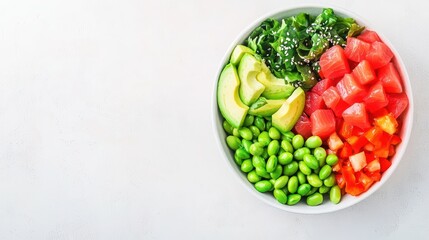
(325, 172)
(290, 169)
(280, 196)
(245, 133)
(285, 158)
(256, 149)
(298, 141)
(235, 132)
(277, 173)
(299, 153)
(311, 161)
(273, 147)
(246, 144)
(248, 120)
(313, 142)
(314, 180)
(274, 133)
(293, 199)
(242, 153)
(287, 146)
(288, 136)
(227, 127)
(262, 172)
(292, 184)
(281, 182)
(271, 164)
(233, 142)
(253, 177)
(246, 166)
(330, 181)
(335, 194)
(324, 189)
(302, 178)
(264, 138)
(263, 186)
(255, 131)
(320, 154)
(258, 161)
(315, 199)
(304, 168)
(259, 123)
(303, 189)
(238, 160)
(331, 159)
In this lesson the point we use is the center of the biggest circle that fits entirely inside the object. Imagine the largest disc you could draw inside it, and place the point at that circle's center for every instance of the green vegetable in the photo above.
(259, 123)
(293, 199)
(314, 180)
(287, 146)
(233, 142)
(285, 158)
(248, 120)
(280, 195)
(330, 181)
(271, 164)
(246, 166)
(297, 141)
(304, 168)
(273, 147)
(253, 177)
(274, 133)
(277, 172)
(304, 189)
(292, 184)
(264, 138)
(281, 182)
(325, 172)
(290, 169)
(263, 186)
(331, 159)
(256, 149)
(227, 127)
(335, 194)
(315, 199)
(299, 153)
(245, 133)
(312, 142)
(255, 131)
(311, 161)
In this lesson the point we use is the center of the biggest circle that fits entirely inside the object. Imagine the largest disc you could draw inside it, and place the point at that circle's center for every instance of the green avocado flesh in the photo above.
(275, 88)
(238, 53)
(288, 114)
(228, 99)
(265, 107)
(250, 88)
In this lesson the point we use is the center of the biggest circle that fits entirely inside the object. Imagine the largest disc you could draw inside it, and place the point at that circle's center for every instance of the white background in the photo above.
(106, 131)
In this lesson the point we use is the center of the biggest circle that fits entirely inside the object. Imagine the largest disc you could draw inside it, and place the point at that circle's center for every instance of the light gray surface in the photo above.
(105, 125)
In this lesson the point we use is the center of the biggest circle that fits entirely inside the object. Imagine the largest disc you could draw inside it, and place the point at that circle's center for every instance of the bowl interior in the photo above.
(347, 200)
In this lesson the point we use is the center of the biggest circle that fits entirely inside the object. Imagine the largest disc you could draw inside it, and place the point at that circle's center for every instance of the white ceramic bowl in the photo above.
(347, 200)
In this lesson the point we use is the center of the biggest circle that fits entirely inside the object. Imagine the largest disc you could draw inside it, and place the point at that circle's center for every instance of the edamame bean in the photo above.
(314, 180)
(324, 189)
(302, 178)
(265, 154)
(313, 190)
(268, 125)
(280, 196)
(264, 138)
(288, 136)
(325, 171)
(246, 144)
(290, 169)
(235, 132)
(271, 164)
(263, 186)
(315, 199)
(258, 161)
(253, 177)
(259, 123)
(298, 141)
(299, 153)
(293, 199)
(237, 160)
(277, 173)
(285, 158)
(335, 194)
(273, 148)
(246, 166)
(245, 133)
(304, 168)
(320, 154)
(233, 142)
(303, 189)
(242, 153)
(313, 142)
(262, 172)
(331, 159)
(248, 120)
(330, 181)
(274, 133)
(311, 161)
(255, 131)
(227, 127)
(256, 149)
(287, 146)
(292, 184)
(272, 181)
(281, 182)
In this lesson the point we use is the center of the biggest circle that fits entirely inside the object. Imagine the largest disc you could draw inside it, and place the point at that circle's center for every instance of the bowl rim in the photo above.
(405, 132)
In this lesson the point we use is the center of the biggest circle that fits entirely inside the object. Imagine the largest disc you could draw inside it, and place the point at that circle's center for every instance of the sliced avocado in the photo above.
(229, 102)
(288, 114)
(265, 107)
(238, 53)
(275, 88)
(250, 88)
